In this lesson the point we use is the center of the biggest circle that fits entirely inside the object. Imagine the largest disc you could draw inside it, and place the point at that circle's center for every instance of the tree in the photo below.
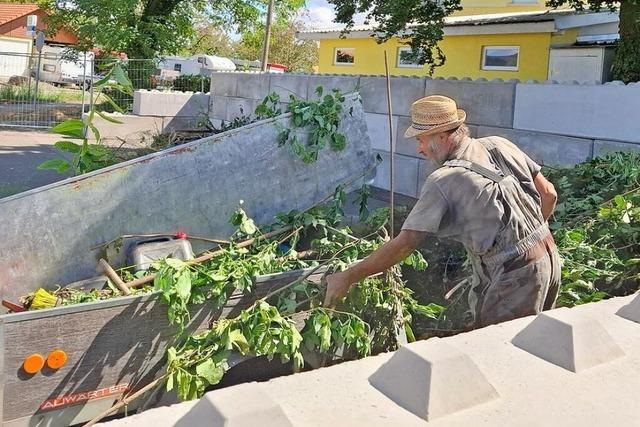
(210, 39)
(626, 64)
(297, 55)
(420, 23)
(149, 28)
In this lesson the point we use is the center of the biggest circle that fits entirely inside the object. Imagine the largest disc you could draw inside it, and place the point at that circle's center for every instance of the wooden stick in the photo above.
(125, 401)
(111, 274)
(392, 181)
(206, 257)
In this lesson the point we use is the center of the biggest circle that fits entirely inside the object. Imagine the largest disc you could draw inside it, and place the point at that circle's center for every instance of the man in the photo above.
(487, 195)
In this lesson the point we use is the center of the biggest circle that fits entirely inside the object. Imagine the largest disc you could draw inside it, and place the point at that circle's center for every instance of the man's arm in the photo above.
(548, 195)
(389, 254)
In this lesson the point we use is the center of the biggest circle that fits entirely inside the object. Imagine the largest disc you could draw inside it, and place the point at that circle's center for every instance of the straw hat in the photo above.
(434, 114)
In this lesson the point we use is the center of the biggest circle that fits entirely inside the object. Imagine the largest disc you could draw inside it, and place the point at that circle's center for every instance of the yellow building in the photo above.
(490, 39)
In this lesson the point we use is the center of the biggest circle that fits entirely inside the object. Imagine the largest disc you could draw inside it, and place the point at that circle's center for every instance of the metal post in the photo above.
(267, 36)
(391, 148)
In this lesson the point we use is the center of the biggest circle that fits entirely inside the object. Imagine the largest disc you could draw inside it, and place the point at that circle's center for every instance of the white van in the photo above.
(57, 67)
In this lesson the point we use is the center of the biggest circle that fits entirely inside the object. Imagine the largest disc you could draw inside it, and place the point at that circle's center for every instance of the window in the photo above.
(49, 68)
(503, 58)
(524, 1)
(177, 67)
(50, 55)
(344, 56)
(404, 59)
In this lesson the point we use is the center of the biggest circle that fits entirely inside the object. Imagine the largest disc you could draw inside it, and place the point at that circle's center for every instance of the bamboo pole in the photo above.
(391, 149)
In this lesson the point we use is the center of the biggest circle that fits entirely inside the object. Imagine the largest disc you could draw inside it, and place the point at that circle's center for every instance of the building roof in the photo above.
(537, 21)
(11, 11)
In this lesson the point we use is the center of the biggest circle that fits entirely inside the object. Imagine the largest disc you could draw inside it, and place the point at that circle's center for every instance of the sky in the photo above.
(320, 15)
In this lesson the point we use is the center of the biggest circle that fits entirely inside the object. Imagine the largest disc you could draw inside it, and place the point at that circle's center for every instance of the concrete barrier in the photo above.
(559, 133)
(568, 340)
(432, 379)
(608, 112)
(157, 103)
(50, 233)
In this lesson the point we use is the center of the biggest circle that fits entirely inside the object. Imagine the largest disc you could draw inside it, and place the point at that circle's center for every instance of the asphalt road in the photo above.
(21, 151)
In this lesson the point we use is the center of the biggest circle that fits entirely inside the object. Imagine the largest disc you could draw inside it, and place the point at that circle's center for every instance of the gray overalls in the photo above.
(520, 274)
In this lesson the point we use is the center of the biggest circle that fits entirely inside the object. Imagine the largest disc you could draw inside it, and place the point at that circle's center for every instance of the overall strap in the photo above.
(474, 167)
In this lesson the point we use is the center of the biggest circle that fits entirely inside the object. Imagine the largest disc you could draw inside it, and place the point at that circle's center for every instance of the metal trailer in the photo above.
(51, 233)
(113, 347)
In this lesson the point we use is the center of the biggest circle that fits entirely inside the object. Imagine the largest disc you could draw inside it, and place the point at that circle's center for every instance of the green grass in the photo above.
(24, 93)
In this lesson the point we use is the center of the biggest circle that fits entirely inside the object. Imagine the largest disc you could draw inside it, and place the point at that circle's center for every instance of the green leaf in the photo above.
(71, 127)
(59, 165)
(111, 102)
(68, 146)
(238, 340)
(176, 263)
(94, 129)
(121, 77)
(170, 380)
(210, 371)
(338, 142)
(183, 285)
(108, 117)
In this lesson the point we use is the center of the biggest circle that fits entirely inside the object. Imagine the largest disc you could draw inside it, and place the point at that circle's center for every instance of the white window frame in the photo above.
(343, 64)
(498, 68)
(399, 65)
(519, 2)
(51, 68)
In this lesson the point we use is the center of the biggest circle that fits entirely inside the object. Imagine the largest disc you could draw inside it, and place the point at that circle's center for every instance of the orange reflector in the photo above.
(33, 363)
(56, 359)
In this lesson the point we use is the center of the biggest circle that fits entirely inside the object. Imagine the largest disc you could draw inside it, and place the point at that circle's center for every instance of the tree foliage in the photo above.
(419, 23)
(148, 28)
(285, 48)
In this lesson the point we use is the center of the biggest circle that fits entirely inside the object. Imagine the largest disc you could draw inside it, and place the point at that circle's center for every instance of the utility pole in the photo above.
(267, 36)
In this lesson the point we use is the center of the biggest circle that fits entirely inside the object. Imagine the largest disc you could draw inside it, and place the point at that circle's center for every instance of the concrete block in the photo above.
(601, 147)
(571, 340)
(224, 84)
(406, 146)
(432, 379)
(545, 148)
(240, 106)
(253, 85)
(378, 129)
(239, 406)
(631, 311)
(406, 174)
(404, 91)
(154, 103)
(597, 112)
(218, 107)
(345, 84)
(486, 103)
(289, 84)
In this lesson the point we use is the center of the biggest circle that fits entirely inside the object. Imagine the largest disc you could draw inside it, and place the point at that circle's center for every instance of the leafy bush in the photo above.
(188, 83)
(597, 228)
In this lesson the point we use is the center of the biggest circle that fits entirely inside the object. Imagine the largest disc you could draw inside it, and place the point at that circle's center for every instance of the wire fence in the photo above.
(43, 90)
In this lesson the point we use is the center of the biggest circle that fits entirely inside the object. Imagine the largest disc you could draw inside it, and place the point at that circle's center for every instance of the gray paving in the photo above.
(21, 151)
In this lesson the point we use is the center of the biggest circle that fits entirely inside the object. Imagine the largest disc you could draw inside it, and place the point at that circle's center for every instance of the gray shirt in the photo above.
(463, 205)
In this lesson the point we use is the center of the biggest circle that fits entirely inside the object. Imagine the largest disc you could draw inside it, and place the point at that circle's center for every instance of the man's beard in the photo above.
(437, 157)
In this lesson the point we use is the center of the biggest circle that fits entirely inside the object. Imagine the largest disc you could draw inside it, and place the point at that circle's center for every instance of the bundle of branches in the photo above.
(597, 228)
(368, 321)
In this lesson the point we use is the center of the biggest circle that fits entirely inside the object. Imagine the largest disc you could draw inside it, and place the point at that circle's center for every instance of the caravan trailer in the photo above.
(196, 64)
(57, 66)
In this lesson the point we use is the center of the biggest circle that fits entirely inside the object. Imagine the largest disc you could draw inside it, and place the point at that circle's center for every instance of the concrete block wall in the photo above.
(555, 124)
(525, 372)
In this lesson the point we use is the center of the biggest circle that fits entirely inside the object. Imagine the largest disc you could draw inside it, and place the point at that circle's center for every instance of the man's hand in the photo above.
(337, 288)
